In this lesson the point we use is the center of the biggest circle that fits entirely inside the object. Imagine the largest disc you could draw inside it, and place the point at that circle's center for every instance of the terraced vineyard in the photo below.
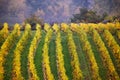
(61, 52)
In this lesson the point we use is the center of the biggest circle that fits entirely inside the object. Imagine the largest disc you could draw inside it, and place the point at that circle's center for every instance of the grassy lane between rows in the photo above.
(24, 58)
(111, 54)
(116, 39)
(67, 61)
(114, 34)
(102, 70)
(52, 56)
(9, 62)
(82, 58)
(38, 57)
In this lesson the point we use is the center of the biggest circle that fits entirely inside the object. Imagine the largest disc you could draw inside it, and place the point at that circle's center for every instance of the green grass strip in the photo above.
(24, 59)
(67, 60)
(9, 62)
(82, 58)
(38, 57)
(52, 56)
(102, 70)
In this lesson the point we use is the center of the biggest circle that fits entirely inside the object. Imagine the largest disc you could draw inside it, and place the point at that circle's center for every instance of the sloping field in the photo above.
(61, 52)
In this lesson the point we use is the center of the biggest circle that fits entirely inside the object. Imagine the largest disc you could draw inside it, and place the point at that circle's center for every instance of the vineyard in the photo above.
(60, 52)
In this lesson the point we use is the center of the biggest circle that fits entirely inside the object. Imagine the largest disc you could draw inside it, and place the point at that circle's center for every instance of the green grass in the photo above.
(116, 39)
(52, 56)
(102, 70)
(67, 60)
(38, 56)
(114, 34)
(111, 54)
(9, 61)
(24, 58)
(2, 40)
(82, 58)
